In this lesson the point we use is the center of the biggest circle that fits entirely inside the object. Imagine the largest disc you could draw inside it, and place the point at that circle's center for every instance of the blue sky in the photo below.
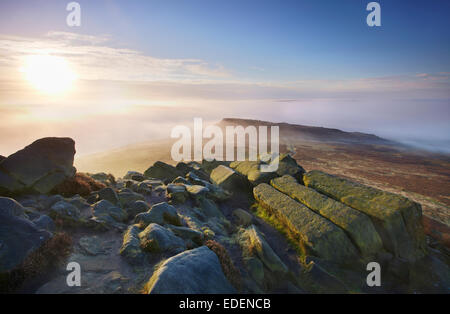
(282, 40)
(308, 62)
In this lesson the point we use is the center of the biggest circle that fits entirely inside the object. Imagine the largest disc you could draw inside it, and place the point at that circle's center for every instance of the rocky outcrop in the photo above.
(131, 246)
(397, 219)
(251, 170)
(320, 236)
(229, 179)
(161, 214)
(19, 237)
(163, 171)
(197, 271)
(357, 225)
(157, 239)
(261, 261)
(39, 167)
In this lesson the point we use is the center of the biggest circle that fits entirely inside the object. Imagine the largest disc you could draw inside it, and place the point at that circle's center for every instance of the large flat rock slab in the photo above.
(319, 235)
(397, 219)
(357, 225)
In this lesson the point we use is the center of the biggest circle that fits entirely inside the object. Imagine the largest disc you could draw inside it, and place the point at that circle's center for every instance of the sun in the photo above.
(49, 74)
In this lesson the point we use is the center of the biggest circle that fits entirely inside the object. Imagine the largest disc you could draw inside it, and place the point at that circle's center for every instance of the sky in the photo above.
(142, 67)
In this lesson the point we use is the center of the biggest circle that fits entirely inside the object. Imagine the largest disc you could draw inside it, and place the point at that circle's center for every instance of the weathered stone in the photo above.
(105, 208)
(358, 226)
(156, 239)
(177, 193)
(108, 194)
(127, 198)
(187, 234)
(215, 192)
(195, 271)
(51, 200)
(288, 165)
(19, 237)
(183, 168)
(137, 208)
(256, 269)
(254, 245)
(78, 201)
(243, 218)
(181, 180)
(134, 175)
(44, 222)
(65, 211)
(92, 245)
(210, 209)
(251, 170)
(144, 188)
(229, 179)
(197, 192)
(318, 234)
(131, 246)
(163, 171)
(397, 219)
(161, 213)
(106, 178)
(39, 167)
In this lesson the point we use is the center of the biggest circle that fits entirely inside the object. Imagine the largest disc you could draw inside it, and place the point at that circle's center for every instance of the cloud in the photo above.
(95, 58)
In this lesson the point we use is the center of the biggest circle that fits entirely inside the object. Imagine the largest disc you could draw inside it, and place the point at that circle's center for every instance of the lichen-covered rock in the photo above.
(137, 208)
(183, 168)
(177, 193)
(251, 170)
(39, 167)
(131, 246)
(242, 217)
(181, 180)
(161, 213)
(105, 208)
(108, 194)
(19, 237)
(78, 201)
(163, 171)
(254, 245)
(288, 165)
(210, 165)
(215, 192)
(134, 175)
(197, 271)
(358, 226)
(157, 239)
(65, 211)
(106, 178)
(197, 192)
(318, 234)
(44, 222)
(187, 234)
(127, 198)
(397, 219)
(229, 179)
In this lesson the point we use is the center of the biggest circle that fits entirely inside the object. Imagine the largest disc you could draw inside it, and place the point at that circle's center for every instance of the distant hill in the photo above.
(312, 133)
(140, 156)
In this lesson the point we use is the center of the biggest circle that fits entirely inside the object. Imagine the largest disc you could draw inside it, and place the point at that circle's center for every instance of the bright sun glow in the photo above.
(49, 74)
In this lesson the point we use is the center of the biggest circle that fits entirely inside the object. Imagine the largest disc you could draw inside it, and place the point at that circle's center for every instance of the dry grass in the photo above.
(50, 255)
(80, 184)
(230, 271)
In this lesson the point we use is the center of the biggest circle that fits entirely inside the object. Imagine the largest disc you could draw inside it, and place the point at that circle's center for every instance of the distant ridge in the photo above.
(313, 133)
